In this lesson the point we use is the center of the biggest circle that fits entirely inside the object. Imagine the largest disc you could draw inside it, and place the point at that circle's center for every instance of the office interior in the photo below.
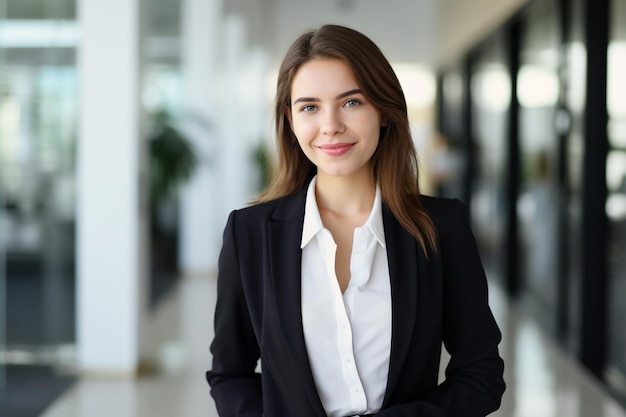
(130, 128)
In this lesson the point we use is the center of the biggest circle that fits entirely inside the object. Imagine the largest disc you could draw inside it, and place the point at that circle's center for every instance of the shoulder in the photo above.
(279, 209)
(451, 219)
(443, 211)
(258, 210)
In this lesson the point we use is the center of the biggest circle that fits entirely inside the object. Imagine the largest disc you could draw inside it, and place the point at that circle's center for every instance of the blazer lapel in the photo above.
(285, 235)
(404, 256)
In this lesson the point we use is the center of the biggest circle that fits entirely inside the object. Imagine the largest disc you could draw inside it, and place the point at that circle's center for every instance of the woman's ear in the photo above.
(384, 122)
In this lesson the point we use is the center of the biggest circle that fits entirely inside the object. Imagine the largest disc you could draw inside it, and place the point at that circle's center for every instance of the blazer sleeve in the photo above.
(235, 386)
(474, 382)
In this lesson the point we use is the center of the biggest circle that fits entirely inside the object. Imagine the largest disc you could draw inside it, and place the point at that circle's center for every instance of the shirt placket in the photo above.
(357, 392)
(353, 384)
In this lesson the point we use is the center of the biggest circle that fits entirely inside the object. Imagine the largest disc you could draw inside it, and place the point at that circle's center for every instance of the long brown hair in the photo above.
(394, 163)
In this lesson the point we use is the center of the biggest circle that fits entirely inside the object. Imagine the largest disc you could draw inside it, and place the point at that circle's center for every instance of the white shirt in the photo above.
(348, 336)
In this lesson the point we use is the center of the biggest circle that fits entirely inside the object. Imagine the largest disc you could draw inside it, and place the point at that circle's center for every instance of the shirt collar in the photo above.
(313, 221)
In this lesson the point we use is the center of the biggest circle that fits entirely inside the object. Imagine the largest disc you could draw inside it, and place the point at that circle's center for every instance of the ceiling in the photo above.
(404, 29)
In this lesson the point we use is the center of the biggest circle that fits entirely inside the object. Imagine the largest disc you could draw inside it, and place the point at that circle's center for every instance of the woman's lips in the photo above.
(336, 149)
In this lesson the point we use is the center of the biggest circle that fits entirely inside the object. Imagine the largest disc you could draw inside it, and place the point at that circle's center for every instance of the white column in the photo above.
(200, 222)
(110, 268)
(257, 105)
(235, 150)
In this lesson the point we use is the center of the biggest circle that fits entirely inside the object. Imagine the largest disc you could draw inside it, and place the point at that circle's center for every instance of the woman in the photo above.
(343, 279)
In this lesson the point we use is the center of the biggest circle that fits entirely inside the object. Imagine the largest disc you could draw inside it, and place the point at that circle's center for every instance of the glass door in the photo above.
(38, 114)
(538, 89)
(3, 295)
(574, 95)
(491, 98)
(451, 151)
(616, 199)
(38, 120)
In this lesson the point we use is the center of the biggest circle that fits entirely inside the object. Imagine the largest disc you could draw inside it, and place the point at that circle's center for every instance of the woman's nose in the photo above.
(332, 123)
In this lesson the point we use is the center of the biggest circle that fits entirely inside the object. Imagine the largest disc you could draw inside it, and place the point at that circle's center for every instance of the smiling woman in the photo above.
(342, 278)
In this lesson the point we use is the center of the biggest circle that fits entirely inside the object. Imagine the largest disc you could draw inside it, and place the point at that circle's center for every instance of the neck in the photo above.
(345, 196)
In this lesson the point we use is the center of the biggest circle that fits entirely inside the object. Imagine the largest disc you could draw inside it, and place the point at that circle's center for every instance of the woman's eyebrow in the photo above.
(306, 99)
(340, 96)
(349, 93)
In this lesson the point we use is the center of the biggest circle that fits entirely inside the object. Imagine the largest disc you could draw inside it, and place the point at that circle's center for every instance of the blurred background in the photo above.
(129, 129)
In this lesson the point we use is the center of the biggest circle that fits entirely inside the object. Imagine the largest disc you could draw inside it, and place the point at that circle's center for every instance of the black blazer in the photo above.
(442, 298)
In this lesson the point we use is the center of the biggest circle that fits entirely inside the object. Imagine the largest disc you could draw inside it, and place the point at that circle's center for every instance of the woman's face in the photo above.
(336, 127)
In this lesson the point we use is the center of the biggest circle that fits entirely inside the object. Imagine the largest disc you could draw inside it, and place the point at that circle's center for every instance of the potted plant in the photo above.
(172, 163)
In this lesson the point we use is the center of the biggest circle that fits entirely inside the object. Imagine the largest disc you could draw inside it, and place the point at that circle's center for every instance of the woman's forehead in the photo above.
(323, 76)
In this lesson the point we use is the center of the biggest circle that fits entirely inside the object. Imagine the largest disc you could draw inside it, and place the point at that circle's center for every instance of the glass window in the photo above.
(38, 119)
(38, 109)
(491, 99)
(448, 155)
(538, 88)
(616, 201)
(575, 55)
(3, 297)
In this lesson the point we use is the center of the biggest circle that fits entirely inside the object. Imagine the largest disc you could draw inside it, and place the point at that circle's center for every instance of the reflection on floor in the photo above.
(543, 381)
(32, 388)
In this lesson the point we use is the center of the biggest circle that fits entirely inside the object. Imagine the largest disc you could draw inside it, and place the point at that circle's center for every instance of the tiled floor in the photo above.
(543, 381)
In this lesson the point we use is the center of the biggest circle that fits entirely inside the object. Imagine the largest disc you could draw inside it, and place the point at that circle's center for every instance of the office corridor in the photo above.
(543, 381)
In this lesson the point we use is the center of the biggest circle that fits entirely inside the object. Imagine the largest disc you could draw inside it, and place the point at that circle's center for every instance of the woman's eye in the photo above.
(308, 108)
(352, 103)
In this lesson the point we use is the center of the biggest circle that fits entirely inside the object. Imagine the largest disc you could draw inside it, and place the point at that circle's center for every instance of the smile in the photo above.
(336, 149)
